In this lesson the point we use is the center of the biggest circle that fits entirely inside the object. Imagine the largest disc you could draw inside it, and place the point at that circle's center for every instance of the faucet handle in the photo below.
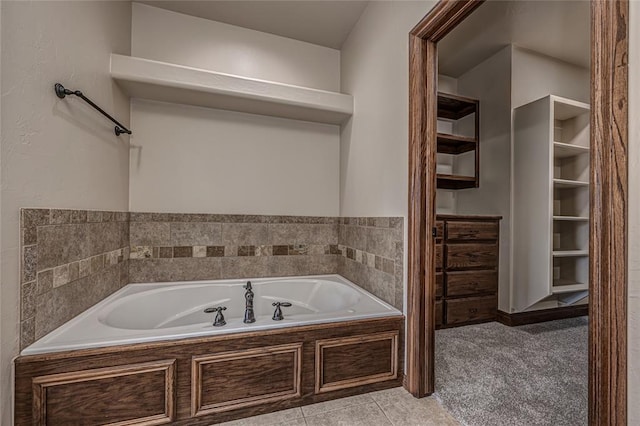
(216, 309)
(247, 286)
(277, 314)
(219, 321)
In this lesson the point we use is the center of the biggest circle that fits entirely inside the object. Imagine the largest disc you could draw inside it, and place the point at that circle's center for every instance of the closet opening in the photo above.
(517, 227)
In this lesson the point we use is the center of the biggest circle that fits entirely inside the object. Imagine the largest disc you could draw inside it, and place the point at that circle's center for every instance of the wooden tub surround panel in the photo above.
(238, 379)
(201, 381)
(137, 394)
(346, 362)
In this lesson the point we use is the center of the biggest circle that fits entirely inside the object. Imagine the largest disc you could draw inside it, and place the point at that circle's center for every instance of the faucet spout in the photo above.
(249, 316)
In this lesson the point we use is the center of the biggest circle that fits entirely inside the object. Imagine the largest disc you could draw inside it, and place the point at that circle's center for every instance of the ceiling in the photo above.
(326, 23)
(560, 29)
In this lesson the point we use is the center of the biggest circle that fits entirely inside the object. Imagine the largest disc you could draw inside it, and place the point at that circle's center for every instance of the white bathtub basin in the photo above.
(151, 312)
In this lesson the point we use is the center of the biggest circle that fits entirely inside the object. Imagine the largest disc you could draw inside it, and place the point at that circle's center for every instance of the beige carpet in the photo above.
(494, 375)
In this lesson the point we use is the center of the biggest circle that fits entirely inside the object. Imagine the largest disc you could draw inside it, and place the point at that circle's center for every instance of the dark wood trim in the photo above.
(608, 226)
(543, 315)
(444, 17)
(423, 99)
(609, 187)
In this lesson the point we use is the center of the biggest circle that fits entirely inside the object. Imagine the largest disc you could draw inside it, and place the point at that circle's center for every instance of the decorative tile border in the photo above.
(368, 259)
(231, 218)
(167, 252)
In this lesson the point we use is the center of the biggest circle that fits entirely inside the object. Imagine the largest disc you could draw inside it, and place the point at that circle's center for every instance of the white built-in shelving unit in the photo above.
(162, 81)
(550, 201)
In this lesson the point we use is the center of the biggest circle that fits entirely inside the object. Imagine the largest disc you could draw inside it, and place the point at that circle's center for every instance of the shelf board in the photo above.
(454, 107)
(455, 182)
(570, 253)
(568, 288)
(564, 150)
(162, 81)
(566, 183)
(572, 218)
(454, 144)
(564, 108)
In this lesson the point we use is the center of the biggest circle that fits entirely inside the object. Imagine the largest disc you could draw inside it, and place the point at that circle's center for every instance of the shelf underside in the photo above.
(566, 183)
(568, 286)
(455, 107)
(570, 253)
(564, 150)
(455, 182)
(572, 218)
(454, 144)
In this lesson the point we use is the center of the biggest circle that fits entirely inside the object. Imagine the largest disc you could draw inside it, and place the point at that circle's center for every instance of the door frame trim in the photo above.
(608, 202)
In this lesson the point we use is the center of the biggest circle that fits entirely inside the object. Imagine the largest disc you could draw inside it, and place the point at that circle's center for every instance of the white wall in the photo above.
(374, 142)
(490, 82)
(56, 153)
(634, 216)
(535, 76)
(187, 159)
(172, 37)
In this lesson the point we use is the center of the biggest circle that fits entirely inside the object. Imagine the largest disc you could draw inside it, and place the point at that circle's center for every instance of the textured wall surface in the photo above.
(182, 247)
(372, 252)
(56, 152)
(71, 260)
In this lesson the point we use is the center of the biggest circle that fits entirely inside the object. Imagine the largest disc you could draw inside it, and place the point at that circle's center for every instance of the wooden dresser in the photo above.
(467, 252)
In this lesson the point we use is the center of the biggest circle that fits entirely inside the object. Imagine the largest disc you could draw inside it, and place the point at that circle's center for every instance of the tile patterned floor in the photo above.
(393, 407)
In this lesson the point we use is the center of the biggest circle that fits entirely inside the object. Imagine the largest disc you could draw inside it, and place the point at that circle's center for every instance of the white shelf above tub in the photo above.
(162, 81)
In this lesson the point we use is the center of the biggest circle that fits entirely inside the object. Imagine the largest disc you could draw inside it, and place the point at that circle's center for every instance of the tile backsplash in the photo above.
(182, 247)
(72, 259)
(372, 255)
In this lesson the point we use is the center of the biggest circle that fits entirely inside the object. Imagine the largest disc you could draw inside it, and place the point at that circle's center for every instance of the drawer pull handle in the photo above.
(473, 310)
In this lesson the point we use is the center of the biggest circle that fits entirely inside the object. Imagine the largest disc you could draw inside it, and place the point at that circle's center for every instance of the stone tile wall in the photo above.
(183, 247)
(71, 259)
(372, 255)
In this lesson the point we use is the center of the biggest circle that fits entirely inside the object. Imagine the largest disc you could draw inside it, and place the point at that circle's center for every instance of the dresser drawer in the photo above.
(439, 256)
(471, 309)
(472, 231)
(439, 284)
(471, 282)
(467, 256)
(439, 230)
(439, 314)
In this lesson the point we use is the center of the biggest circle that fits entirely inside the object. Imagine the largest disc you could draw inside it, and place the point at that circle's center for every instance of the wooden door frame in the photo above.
(608, 223)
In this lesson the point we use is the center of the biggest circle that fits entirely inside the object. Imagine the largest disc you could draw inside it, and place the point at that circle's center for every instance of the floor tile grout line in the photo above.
(383, 412)
(337, 409)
